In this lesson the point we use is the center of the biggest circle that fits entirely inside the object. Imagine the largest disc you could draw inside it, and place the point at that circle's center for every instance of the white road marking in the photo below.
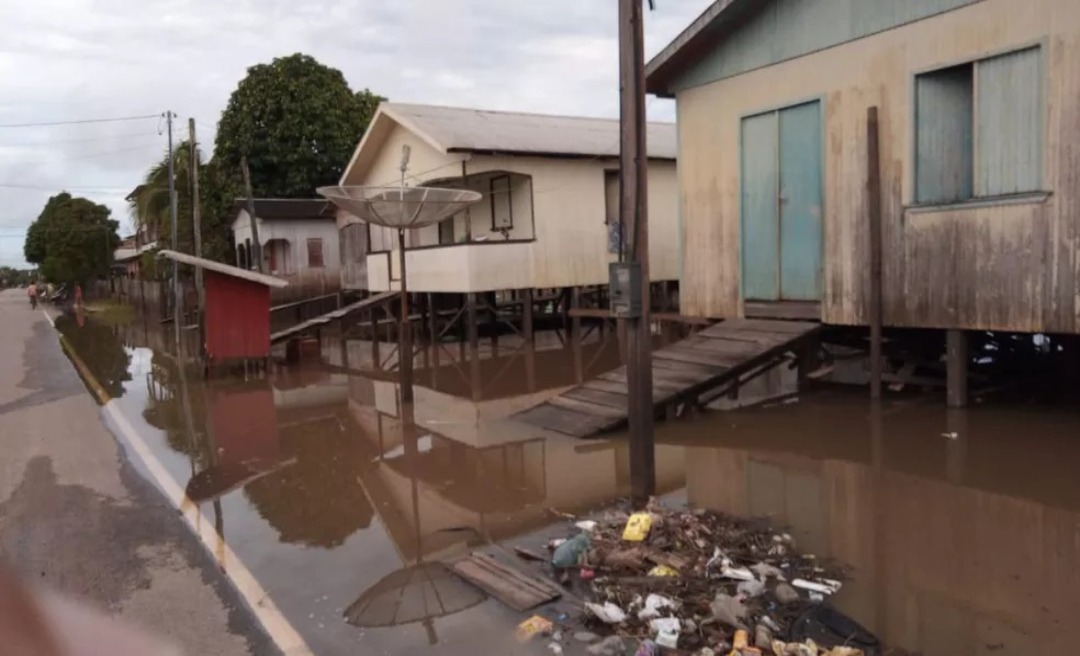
(280, 630)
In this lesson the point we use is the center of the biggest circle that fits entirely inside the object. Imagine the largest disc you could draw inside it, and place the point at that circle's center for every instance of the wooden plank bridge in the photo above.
(717, 357)
(321, 320)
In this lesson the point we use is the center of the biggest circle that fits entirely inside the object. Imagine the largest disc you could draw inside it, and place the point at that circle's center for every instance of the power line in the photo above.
(59, 188)
(118, 137)
(116, 119)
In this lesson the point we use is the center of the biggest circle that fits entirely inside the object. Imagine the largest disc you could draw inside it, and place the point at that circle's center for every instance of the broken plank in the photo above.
(588, 395)
(586, 407)
(563, 421)
(513, 588)
(787, 328)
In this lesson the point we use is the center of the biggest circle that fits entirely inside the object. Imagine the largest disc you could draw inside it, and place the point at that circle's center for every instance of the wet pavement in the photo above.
(962, 528)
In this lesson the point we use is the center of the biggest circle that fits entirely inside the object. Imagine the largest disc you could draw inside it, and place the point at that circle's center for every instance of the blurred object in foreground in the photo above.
(34, 623)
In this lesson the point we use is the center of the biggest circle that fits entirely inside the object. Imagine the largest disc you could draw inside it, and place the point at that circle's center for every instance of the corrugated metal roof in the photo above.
(287, 208)
(459, 129)
(235, 272)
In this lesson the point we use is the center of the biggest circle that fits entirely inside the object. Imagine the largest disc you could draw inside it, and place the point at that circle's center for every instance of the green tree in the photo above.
(298, 122)
(72, 240)
(149, 203)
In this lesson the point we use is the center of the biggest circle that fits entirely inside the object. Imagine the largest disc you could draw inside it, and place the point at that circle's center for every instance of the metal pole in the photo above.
(173, 222)
(633, 163)
(405, 347)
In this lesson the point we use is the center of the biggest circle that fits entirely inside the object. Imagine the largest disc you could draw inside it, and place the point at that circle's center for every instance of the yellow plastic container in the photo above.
(637, 527)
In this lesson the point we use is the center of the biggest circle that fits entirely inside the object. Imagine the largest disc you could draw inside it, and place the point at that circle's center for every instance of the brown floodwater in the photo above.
(962, 528)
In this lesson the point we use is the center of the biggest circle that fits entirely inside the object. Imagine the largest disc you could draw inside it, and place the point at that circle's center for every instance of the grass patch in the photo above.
(111, 312)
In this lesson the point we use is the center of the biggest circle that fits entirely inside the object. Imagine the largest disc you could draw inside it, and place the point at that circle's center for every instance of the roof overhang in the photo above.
(720, 18)
(225, 269)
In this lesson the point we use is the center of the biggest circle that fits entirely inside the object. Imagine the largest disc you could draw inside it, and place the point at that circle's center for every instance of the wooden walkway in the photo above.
(713, 357)
(324, 319)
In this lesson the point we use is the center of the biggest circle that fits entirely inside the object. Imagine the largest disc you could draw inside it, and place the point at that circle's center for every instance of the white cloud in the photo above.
(74, 59)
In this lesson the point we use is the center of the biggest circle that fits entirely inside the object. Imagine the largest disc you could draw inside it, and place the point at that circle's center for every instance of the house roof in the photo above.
(454, 129)
(462, 130)
(720, 17)
(226, 269)
(287, 208)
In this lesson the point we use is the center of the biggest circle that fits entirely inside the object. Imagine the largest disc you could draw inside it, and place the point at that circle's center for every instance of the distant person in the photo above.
(31, 291)
(78, 295)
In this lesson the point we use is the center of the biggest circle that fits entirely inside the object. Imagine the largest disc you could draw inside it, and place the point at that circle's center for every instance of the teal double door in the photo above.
(781, 171)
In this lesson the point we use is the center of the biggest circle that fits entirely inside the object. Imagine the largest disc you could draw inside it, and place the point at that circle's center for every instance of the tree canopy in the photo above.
(12, 277)
(72, 240)
(297, 121)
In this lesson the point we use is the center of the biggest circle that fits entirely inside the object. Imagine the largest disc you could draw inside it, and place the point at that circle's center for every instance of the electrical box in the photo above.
(625, 289)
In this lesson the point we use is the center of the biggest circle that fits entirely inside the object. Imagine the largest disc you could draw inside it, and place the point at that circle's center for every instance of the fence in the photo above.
(306, 284)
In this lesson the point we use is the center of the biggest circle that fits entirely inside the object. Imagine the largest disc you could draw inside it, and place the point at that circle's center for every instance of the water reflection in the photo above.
(101, 347)
(963, 527)
(961, 545)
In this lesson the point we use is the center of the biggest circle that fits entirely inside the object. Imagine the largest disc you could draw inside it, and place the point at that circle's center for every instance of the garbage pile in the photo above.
(700, 582)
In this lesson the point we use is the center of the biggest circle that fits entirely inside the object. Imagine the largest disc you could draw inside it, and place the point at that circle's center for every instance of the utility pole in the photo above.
(633, 170)
(173, 222)
(196, 221)
(257, 255)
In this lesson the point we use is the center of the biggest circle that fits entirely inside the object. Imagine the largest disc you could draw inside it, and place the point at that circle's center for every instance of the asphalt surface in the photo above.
(77, 519)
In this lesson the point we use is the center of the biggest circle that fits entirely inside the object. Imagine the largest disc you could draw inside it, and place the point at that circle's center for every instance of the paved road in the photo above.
(76, 517)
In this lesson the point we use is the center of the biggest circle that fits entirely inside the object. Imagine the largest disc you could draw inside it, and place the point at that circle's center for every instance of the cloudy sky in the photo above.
(68, 60)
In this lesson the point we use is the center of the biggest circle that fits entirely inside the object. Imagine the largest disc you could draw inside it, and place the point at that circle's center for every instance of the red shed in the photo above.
(236, 324)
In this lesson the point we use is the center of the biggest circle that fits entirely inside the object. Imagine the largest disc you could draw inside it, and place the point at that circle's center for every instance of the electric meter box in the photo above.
(625, 289)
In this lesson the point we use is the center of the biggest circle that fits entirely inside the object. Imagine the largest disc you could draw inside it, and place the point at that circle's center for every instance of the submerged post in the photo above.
(405, 341)
(633, 205)
(873, 200)
(956, 356)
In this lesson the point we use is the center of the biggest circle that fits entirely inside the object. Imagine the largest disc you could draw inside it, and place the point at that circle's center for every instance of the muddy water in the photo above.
(962, 528)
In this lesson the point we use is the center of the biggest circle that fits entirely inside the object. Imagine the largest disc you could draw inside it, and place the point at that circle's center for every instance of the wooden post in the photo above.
(956, 353)
(873, 199)
(405, 356)
(470, 325)
(575, 338)
(527, 314)
(433, 319)
(493, 320)
(196, 218)
(251, 214)
(633, 169)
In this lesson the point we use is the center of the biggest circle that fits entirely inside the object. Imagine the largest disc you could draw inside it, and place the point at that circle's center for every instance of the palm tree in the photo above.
(149, 202)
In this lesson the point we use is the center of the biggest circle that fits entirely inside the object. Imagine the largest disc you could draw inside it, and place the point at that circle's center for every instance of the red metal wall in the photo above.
(237, 318)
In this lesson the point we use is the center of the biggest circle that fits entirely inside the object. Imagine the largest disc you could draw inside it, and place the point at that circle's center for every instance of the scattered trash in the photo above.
(739, 573)
(654, 603)
(586, 636)
(607, 612)
(951, 436)
(554, 648)
(763, 637)
(728, 610)
(586, 525)
(808, 648)
(557, 636)
(531, 627)
(828, 627)
(556, 543)
(568, 554)
(824, 586)
(637, 527)
(786, 594)
(751, 588)
(705, 651)
(587, 574)
(765, 570)
(740, 642)
(611, 645)
(689, 579)
(647, 648)
(663, 570)
(845, 651)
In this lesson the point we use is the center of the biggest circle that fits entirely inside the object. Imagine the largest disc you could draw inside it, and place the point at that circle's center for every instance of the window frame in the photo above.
(509, 202)
(1041, 193)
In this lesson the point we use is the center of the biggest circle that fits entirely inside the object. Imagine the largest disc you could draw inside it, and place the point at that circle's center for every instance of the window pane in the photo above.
(314, 252)
(943, 143)
(1008, 108)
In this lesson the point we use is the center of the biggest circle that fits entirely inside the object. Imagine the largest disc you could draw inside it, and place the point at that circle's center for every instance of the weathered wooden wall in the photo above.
(998, 266)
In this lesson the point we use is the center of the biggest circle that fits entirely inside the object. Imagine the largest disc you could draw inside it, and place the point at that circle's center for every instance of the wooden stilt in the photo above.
(493, 321)
(433, 319)
(527, 314)
(471, 328)
(575, 338)
(873, 195)
(956, 368)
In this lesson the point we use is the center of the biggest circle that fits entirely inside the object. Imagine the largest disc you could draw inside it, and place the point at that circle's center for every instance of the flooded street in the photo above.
(961, 528)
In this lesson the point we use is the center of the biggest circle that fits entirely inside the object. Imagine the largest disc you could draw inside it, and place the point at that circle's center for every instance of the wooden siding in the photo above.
(785, 29)
(982, 266)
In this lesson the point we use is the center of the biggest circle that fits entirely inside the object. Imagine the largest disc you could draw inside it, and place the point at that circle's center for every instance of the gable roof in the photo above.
(462, 130)
(286, 208)
(693, 42)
